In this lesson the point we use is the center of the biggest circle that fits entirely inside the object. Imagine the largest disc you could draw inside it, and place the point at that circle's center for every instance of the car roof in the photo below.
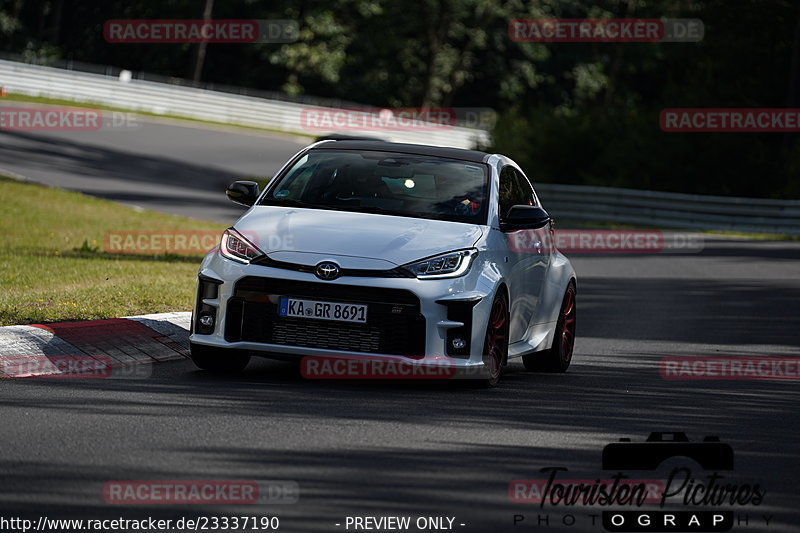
(402, 148)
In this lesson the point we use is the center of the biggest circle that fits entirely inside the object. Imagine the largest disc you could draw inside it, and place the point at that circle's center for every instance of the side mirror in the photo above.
(525, 217)
(243, 192)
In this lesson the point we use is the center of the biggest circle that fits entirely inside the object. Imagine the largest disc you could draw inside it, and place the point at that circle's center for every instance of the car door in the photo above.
(527, 251)
(542, 240)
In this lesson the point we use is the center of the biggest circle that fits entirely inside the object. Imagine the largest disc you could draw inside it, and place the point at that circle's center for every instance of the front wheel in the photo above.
(495, 347)
(222, 360)
(559, 356)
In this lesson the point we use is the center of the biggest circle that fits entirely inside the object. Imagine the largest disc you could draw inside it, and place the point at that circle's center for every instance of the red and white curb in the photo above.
(49, 349)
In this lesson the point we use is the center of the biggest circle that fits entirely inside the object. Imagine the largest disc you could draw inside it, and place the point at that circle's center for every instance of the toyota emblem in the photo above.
(327, 271)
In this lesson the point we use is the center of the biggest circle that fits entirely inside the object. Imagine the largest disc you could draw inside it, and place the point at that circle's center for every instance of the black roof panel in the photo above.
(416, 149)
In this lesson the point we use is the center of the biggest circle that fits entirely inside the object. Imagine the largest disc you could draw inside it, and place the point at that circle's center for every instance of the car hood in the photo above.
(354, 240)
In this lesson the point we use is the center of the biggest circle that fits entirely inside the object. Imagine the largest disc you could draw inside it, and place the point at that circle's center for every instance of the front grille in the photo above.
(394, 325)
(298, 332)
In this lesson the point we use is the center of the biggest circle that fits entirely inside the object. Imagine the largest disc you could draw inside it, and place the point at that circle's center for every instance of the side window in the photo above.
(514, 190)
(526, 184)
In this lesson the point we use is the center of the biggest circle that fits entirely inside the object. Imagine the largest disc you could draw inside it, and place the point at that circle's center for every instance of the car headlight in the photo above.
(235, 247)
(450, 265)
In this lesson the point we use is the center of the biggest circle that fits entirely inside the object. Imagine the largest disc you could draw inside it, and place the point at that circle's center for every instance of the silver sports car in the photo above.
(398, 252)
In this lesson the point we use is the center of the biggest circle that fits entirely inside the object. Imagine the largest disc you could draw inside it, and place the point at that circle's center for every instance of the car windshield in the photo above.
(384, 182)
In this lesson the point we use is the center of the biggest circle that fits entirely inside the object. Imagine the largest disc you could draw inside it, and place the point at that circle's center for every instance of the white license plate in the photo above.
(340, 312)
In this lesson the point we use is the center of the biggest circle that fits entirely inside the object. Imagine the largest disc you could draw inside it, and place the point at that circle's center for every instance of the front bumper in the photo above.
(409, 319)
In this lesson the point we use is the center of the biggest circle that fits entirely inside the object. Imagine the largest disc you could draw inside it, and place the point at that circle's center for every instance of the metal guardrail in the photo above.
(169, 99)
(573, 202)
(670, 210)
(114, 72)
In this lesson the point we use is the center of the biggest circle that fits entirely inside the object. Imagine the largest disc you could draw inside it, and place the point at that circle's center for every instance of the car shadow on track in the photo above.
(361, 448)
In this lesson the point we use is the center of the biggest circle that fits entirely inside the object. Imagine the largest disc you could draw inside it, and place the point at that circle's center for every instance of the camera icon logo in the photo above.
(710, 454)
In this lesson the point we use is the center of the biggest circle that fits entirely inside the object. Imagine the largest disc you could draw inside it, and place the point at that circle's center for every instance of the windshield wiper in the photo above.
(407, 214)
(288, 202)
(380, 211)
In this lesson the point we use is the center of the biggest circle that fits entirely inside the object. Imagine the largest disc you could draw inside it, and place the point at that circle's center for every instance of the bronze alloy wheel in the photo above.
(559, 356)
(496, 344)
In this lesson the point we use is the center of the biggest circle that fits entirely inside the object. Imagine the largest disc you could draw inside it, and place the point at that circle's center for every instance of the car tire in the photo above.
(220, 360)
(559, 356)
(495, 345)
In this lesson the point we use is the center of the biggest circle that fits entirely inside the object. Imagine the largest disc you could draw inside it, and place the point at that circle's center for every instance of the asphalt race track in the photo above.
(406, 449)
(169, 166)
